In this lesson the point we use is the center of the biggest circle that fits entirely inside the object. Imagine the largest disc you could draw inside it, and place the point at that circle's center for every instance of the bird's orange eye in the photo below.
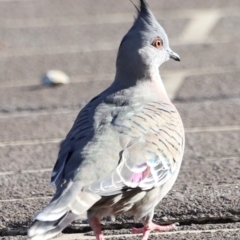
(157, 43)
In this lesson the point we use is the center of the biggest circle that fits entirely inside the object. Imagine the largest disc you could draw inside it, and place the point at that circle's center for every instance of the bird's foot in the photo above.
(96, 227)
(153, 227)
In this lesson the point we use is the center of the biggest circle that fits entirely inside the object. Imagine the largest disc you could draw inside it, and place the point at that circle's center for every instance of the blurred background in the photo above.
(81, 38)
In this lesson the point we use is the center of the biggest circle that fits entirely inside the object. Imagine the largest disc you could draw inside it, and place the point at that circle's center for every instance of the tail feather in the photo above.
(68, 203)
(46, 230)
(77, 204)
(59, 205)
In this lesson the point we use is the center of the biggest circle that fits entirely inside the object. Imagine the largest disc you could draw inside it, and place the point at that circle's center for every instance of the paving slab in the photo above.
(190, 192)
(212, 145)
(211, 148)
(28, 157)
(226, 38)
(214, 171)
(55, 8)
(200, 203)
(70, 34)
(29, 9)
(36, 127)
(81, 89)
(62, 35)
(76, 34)
(92, 62)
(205, 55)
(209, 113)
(180, 233)
(18, 215)
(227, 26)
(218, 151)
(205, 198)
(193, 173)
(33, 65)
(212, 86)
(26, 185)
(79, 63)
(196, 235)
(194, 204)
(206, 114)
(194, 88)
(44, 97)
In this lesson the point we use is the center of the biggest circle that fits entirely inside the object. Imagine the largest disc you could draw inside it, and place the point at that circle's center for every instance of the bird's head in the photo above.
(145, 47)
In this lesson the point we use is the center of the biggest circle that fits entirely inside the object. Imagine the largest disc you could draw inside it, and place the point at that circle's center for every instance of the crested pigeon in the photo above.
(125, 148)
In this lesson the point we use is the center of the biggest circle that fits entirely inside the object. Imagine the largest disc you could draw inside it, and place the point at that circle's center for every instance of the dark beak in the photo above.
(174, 56)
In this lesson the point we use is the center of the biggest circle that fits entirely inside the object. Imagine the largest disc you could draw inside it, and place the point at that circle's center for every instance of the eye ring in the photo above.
(158, 43)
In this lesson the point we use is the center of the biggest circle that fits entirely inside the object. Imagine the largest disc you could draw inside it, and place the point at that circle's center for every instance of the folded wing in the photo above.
(153, 143)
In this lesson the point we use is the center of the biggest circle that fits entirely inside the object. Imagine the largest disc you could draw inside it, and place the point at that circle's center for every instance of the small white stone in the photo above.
(55, 77)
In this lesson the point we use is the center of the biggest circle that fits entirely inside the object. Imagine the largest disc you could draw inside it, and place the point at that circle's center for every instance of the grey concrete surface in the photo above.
(44, 97)
(194, 114)
(227, 25)
(203, 146)
(50, 35)
(23, 177)
(91, 62)
(213, 86)
(23, 157)
(81, 38)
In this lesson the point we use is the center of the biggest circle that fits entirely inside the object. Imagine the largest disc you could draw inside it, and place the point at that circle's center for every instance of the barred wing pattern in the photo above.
(153, 143)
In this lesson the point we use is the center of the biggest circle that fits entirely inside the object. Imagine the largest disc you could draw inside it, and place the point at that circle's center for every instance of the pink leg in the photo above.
(152, 227)
(96, 227)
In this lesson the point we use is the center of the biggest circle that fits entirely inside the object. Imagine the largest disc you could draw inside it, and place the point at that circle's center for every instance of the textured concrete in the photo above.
(194, 114)
(77, 33)
(227, 26)
(196, 88)
(28, 157)
(38, 98)
(91, 62)
(201, 146)
(81, 38)
(36, 127)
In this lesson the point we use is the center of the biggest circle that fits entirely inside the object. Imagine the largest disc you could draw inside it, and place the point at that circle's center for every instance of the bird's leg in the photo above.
(96, 227)
(152, 227)
(149, 226)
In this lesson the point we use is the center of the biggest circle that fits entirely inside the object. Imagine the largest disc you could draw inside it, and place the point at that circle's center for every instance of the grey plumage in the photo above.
(124, 151)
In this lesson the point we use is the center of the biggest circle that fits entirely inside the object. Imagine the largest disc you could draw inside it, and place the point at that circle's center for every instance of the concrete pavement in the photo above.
(81, 38)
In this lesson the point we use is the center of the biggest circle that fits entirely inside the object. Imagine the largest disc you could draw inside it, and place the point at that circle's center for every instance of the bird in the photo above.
(124, 151)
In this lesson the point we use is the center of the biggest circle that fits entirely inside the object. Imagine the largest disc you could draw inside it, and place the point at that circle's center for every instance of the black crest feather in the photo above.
(144, 7)
(135, 6)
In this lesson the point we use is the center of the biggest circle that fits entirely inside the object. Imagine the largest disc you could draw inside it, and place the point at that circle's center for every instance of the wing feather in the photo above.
(152, 152)
(80, 131)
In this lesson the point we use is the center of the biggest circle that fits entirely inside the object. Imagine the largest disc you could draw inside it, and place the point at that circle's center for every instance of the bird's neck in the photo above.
(126, 79)
(157, 80)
